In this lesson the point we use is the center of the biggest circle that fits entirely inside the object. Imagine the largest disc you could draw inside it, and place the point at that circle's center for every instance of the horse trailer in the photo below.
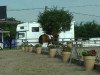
(30, 32)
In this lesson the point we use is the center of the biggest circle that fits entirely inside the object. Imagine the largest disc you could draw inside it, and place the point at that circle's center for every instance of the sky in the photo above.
(82, 10)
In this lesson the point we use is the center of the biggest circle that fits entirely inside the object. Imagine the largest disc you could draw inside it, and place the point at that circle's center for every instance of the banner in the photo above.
(3, 14)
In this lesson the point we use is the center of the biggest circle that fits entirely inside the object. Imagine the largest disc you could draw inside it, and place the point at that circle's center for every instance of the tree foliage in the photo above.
(87, 30)
(55, 20)
(10, 25)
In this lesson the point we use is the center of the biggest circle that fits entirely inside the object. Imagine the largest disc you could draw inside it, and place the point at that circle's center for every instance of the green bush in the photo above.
(38, 45)
(66, 49)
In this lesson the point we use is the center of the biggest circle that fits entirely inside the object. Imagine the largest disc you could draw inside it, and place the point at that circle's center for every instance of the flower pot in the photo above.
(23, 48)
(65, 56)
(52, 52)
(26, 48)
(89, 62)
(30, 49)
(38, 50)
(69, 45)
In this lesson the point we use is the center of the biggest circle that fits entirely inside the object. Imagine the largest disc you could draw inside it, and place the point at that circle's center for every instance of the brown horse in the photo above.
(45, 38)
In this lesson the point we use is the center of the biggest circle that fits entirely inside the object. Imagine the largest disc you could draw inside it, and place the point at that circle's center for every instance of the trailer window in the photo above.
(22, 27)
(35, 29)
(21, 35)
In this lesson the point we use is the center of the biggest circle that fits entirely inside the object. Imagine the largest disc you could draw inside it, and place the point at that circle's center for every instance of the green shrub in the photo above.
(66, 49)
(38, 45)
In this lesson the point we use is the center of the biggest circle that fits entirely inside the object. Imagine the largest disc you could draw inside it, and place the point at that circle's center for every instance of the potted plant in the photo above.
(89, 59)
(66, 52)
(24, 46)
(38, 48)
(69, 44)
(30, 48)
(1, 48)
(52, 50)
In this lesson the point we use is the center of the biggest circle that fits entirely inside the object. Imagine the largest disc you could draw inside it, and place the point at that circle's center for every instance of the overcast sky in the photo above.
(83, 10)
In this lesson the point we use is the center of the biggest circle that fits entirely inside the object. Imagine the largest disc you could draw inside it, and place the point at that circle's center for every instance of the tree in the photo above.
(10, 25)
(55, 20)
(87, 30)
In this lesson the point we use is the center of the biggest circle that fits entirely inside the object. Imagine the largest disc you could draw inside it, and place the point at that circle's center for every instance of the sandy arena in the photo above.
(17, 62)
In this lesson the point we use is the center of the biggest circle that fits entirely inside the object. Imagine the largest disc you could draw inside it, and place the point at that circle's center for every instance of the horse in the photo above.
(45, 38)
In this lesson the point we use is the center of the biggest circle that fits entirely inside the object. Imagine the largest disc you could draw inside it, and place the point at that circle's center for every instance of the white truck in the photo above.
(31, 32)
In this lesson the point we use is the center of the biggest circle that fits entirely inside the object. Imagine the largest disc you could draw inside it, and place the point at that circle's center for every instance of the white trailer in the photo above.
(31, 32)
(28, 32)
(68, 35)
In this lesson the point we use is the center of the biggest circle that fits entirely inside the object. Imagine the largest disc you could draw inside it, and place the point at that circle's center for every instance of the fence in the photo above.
(78, 43)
